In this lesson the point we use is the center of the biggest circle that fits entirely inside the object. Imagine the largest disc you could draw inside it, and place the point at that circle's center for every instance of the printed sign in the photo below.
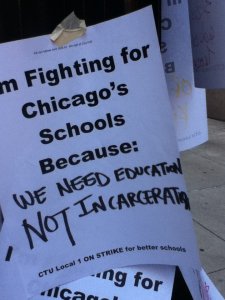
(139, 282)
(188, 102)
(208, 41)
(92, 175)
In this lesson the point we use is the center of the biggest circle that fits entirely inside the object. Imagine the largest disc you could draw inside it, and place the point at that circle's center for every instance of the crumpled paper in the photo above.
(69, 29)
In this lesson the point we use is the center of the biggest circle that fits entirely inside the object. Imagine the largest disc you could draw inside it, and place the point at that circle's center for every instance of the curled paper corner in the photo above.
(69, 29)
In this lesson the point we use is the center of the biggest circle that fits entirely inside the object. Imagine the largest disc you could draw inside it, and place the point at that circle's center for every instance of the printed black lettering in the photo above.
(8, 86)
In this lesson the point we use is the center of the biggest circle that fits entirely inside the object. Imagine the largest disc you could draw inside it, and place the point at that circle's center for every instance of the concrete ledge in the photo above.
(216, 104)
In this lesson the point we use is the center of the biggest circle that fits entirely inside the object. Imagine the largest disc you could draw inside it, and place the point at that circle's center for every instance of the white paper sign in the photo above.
(92, 176)
(188, 102)
(200, 286)
(138, 282)
(208, 289)
(208, 42)
(11, 284)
